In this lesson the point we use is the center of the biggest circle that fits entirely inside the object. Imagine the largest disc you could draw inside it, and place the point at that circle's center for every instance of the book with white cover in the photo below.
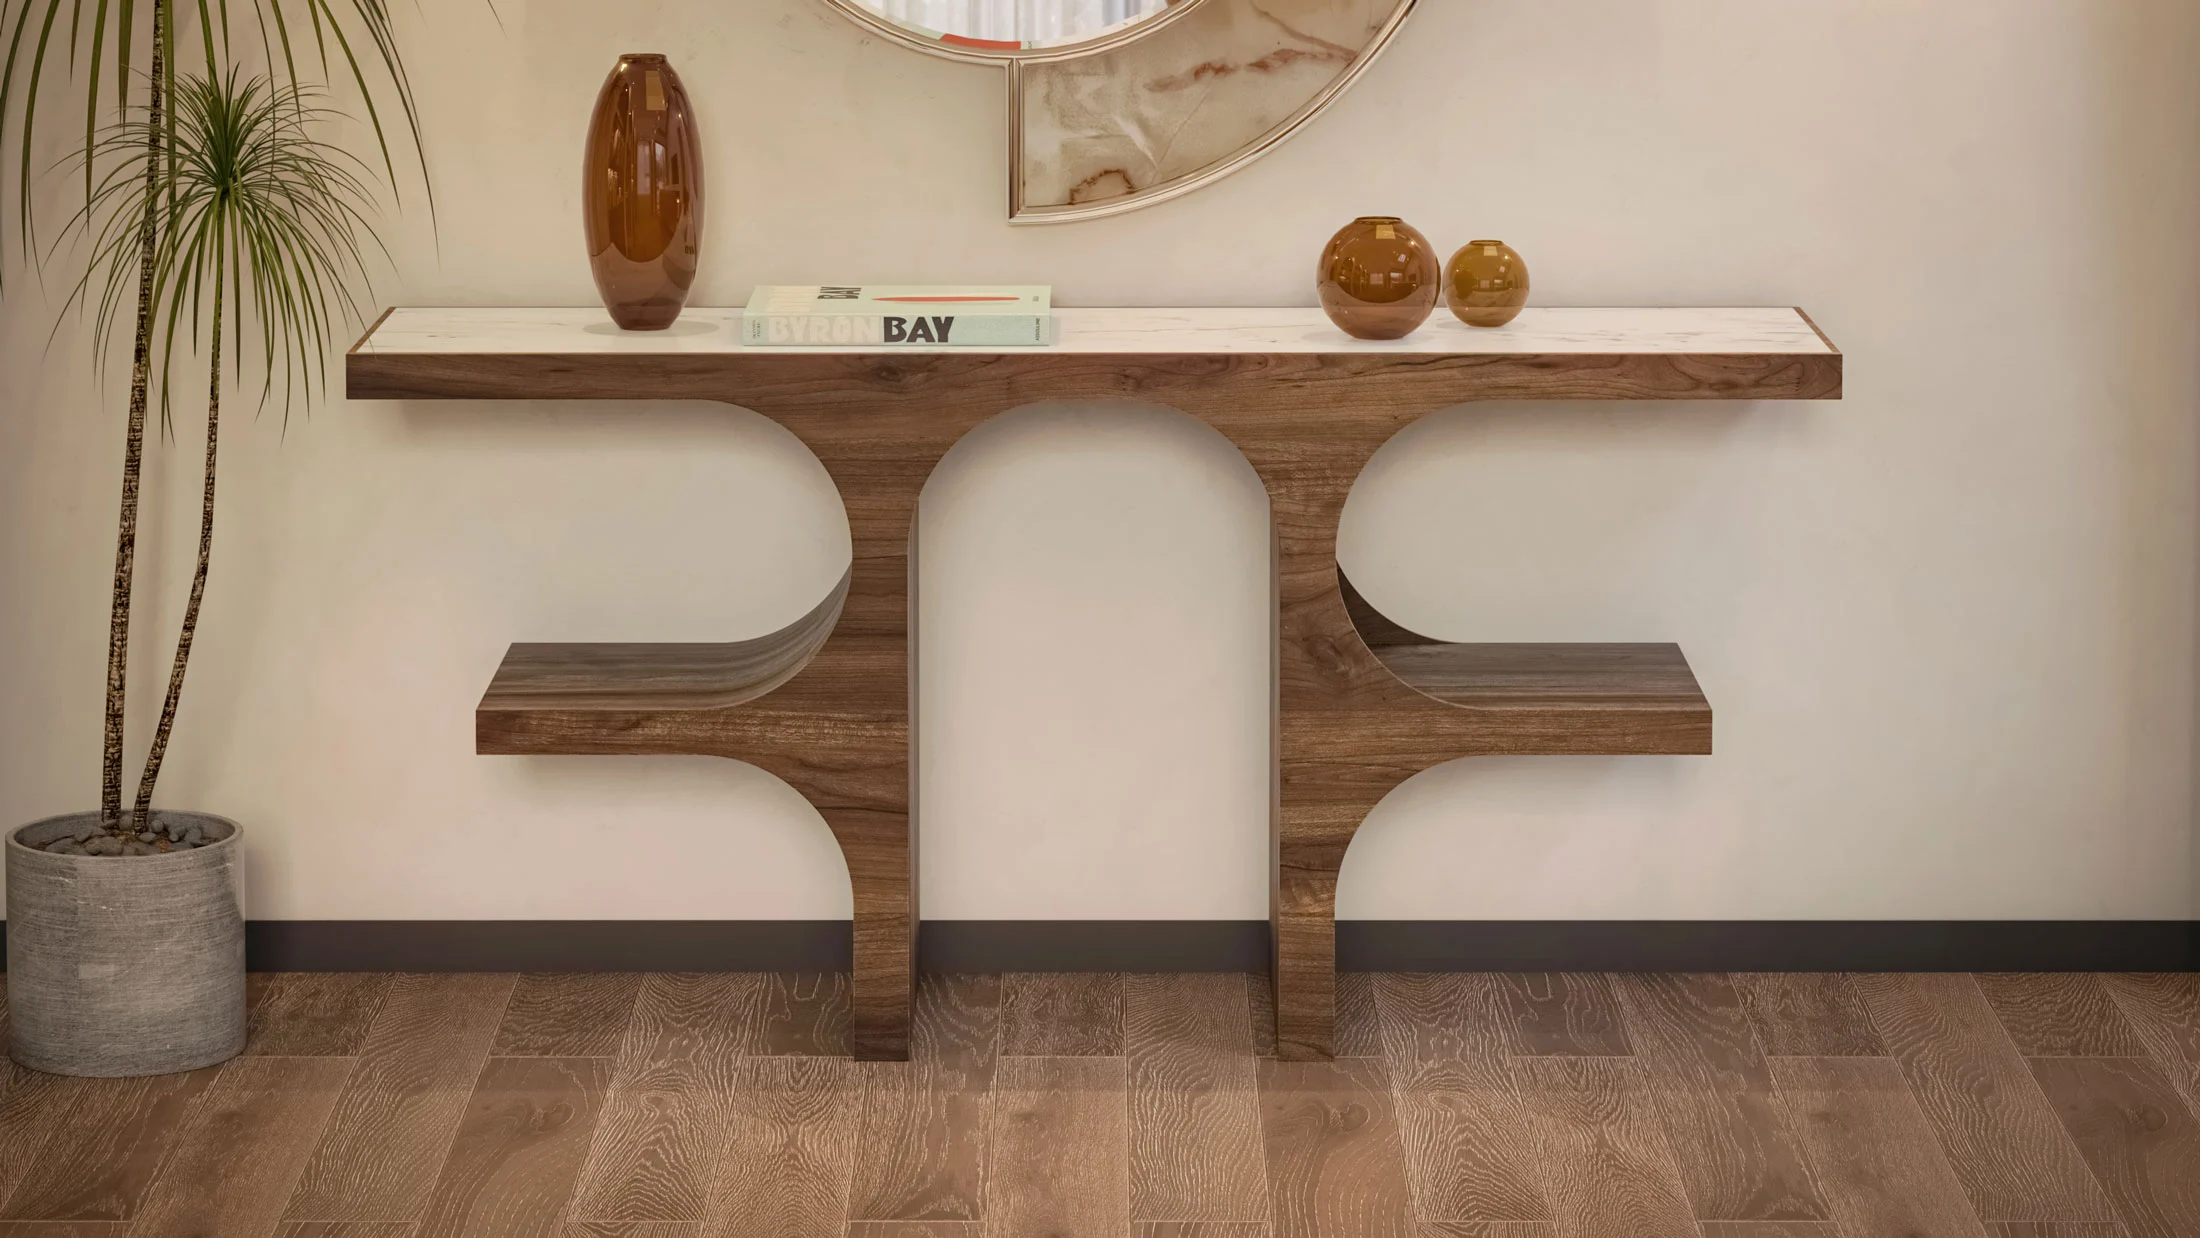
(899, 315)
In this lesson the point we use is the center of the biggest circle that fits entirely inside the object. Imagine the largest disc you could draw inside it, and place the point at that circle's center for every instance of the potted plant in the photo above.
(215, 216)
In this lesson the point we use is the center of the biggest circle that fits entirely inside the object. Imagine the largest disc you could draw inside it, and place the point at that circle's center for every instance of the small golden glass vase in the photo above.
(1486, 284)
(1378, 278)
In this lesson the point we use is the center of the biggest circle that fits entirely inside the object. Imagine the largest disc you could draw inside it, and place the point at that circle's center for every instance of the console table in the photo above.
(1361, 705)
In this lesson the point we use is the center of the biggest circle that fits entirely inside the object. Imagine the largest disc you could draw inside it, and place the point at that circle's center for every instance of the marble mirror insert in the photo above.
(1146, 100)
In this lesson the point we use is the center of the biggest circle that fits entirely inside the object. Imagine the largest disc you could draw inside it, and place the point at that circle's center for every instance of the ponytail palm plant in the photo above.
(259, 242)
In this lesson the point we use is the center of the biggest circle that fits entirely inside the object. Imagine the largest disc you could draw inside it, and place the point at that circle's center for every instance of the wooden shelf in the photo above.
(1184, 356)
(1556, 699)
(550, 699)
(1362, 703)
(1592, 700)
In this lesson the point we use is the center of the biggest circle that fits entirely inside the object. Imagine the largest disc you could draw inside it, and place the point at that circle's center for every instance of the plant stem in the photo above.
(143, 815)
(133, 455)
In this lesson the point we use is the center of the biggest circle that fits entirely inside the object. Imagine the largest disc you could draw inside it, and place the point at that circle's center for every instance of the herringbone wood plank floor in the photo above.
(1467, 1106)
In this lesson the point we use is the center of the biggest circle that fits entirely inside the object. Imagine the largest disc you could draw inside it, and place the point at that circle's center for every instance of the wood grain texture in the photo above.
(2138, 1136)
(1073, 1014)
(981, 1132)
(64, 1229)
(803, 1014)
(240, 1154)
(385, 1142)
(2164, 1008)
(656, 1144)
(921, 1144)
(1336, 1164)
(1197, 1150)
(1808, 1014)
(2012, 1155)
(788, 1156)
(98, 1141)
(1769, 1229)
(1872, 1150)
(1359, 1028)
(1260, 999)
(1060, 1148)
(30, 1106)
(1714, 1097)
(2164, 1012)
(345, 1229)
(581, 1015)
(583, 679)
(1565, 1014)
(1467, 1145)
(313, 1014)
(512, 1168)
(2059, 1014)
(1307, 411)
(1606, 1169)
(1635, 697)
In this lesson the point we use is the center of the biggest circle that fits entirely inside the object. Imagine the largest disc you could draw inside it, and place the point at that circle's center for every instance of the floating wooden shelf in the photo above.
(1557, 700)
(538, 683)
(1362, 705)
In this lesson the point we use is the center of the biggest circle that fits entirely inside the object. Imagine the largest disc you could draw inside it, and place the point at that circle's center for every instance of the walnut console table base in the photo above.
(1362, 704)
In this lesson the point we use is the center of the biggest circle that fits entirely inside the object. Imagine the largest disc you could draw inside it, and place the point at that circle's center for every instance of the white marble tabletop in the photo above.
(1538, 331)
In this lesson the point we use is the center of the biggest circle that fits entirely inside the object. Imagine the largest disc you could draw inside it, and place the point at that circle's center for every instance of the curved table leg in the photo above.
(1363, 704)
(841, 733)
(824, 705)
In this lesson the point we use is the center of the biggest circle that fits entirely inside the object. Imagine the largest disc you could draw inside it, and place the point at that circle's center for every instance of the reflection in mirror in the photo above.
(1017, 23)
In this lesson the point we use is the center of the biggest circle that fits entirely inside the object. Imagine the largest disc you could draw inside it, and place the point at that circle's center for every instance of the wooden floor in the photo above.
(1468, 1106)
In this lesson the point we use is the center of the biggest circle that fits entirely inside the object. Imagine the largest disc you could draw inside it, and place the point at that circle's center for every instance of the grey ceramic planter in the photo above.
(124, 965)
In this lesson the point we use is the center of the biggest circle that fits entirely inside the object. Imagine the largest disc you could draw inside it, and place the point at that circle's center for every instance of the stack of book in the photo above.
(904, 316)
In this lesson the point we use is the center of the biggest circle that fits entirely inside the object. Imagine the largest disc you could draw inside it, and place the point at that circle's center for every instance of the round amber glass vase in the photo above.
(1378, 278)
(1486, 284)
(644, 194)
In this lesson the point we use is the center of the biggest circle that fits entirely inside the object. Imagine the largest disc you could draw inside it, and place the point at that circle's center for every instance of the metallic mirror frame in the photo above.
(1015, 60)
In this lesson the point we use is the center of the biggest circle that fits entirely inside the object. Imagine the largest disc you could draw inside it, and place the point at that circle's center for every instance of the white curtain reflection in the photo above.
(1021, 21)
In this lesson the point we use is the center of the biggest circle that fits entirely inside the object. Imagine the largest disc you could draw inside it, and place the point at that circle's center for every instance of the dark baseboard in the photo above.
(1232, 945)
(1093, 945)
(1769, 945)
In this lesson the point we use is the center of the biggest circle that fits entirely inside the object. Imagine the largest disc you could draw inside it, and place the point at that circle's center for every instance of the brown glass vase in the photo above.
(1378, 278)
(643, 199)
(1486, 284)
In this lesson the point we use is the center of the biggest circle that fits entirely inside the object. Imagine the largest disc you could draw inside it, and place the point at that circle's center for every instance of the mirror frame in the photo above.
(978, 51)
(1015, 60)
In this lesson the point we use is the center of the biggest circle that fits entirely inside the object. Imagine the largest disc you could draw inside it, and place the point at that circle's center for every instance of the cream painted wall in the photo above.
(1948, 623)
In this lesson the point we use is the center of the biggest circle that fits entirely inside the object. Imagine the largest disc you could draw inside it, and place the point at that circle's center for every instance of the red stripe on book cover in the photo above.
(993, 44)
(932, 299)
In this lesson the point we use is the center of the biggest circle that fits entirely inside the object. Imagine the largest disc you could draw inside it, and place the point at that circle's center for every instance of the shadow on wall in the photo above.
(2147, 96)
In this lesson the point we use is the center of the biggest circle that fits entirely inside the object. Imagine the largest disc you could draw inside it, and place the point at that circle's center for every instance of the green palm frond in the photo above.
(258, 207)
(348, 38)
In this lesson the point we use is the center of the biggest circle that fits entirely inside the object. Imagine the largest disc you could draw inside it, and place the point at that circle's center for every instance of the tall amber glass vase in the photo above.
(644, 193)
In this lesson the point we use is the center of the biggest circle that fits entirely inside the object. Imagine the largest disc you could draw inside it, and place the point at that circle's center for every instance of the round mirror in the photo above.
(1013, 29)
